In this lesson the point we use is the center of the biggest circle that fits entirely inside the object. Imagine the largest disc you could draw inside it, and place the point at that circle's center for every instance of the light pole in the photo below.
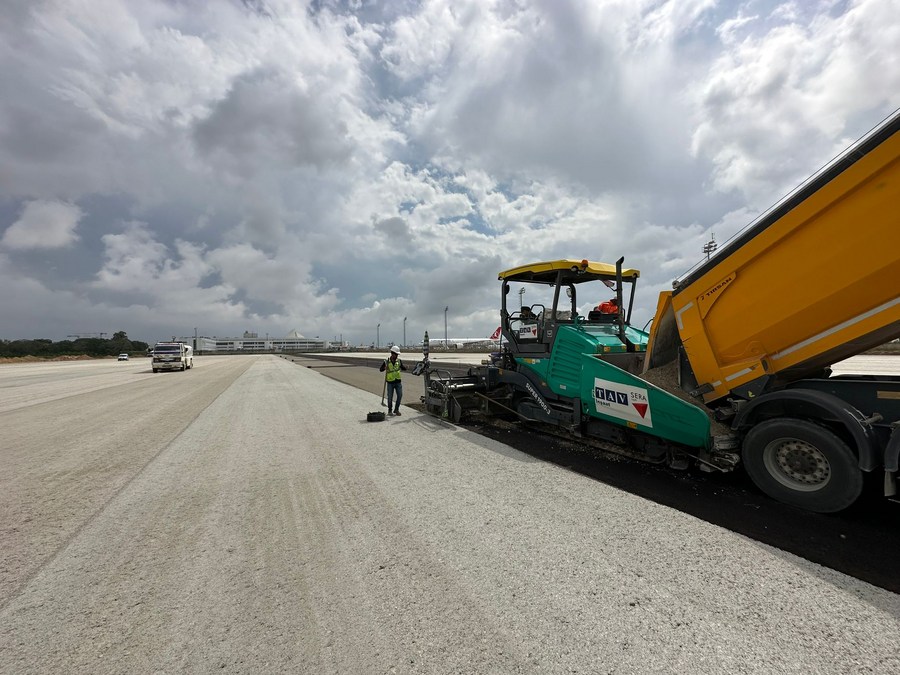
(710, 246)
(521, 297)
(404, 332)
(446, 341)
(378, 336)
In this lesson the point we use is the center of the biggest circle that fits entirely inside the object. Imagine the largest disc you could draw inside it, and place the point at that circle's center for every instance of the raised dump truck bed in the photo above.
(813, 282)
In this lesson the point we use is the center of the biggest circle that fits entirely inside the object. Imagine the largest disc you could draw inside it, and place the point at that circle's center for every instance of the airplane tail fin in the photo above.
(496, 334)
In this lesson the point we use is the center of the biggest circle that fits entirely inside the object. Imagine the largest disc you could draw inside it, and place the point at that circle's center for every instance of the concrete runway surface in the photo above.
(244, 517)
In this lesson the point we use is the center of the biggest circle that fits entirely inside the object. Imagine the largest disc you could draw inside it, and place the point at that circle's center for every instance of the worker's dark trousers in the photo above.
(392, 387)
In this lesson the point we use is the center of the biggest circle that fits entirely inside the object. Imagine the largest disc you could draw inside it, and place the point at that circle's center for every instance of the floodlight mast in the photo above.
(710, 246)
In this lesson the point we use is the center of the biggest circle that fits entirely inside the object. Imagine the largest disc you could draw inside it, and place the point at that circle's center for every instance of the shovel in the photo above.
(383, 389)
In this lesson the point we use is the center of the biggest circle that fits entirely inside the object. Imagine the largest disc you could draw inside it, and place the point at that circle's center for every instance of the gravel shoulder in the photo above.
(277, 531)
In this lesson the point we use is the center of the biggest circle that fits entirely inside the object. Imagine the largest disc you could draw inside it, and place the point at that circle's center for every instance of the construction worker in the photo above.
(611, 306)
(391, 367)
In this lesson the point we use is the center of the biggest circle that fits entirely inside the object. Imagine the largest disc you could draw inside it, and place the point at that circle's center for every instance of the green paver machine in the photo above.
(577, 372)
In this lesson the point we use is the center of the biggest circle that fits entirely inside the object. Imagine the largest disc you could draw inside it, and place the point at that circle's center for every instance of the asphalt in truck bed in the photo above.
(862, 542)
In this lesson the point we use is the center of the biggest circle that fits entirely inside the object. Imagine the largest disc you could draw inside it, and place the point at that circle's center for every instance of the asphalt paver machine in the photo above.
(578, 371)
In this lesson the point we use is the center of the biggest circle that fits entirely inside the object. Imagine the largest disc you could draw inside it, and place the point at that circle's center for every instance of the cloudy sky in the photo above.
(330, 165)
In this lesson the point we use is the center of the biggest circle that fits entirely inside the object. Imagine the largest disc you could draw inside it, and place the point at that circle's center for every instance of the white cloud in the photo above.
(135, 261)
(728, 30)
(43, 225)
(776, 105)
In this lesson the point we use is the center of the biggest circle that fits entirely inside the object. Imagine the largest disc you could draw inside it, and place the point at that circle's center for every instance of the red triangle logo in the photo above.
(641, 408)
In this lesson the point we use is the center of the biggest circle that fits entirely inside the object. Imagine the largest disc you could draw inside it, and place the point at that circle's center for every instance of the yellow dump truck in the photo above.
(754, 330)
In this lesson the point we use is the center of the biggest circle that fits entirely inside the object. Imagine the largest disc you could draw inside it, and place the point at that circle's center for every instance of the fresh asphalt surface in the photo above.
(244, 517)
(863, 541)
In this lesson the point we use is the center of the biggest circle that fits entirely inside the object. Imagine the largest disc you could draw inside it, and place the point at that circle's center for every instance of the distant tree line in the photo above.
(96, 347)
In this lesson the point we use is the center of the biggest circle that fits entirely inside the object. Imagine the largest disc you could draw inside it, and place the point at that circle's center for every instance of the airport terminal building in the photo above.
(251, 342)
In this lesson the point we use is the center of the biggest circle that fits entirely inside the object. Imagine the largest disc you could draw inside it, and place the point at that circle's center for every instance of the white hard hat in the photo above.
(395, 349)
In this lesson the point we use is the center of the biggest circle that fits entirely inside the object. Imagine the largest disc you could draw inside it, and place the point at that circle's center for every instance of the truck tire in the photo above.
(802, 464)
(156, 370)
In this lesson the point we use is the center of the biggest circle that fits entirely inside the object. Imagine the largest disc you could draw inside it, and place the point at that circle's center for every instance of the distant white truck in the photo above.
(171, 356)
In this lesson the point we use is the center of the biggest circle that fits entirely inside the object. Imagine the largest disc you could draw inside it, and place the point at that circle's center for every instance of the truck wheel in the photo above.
(155, 370)
(802, 464)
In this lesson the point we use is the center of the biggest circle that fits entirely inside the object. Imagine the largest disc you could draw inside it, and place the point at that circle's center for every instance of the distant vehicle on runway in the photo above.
(172, 356)
(123, 357)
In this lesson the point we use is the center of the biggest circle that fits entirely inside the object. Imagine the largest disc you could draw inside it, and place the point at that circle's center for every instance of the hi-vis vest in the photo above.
(392, 370)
